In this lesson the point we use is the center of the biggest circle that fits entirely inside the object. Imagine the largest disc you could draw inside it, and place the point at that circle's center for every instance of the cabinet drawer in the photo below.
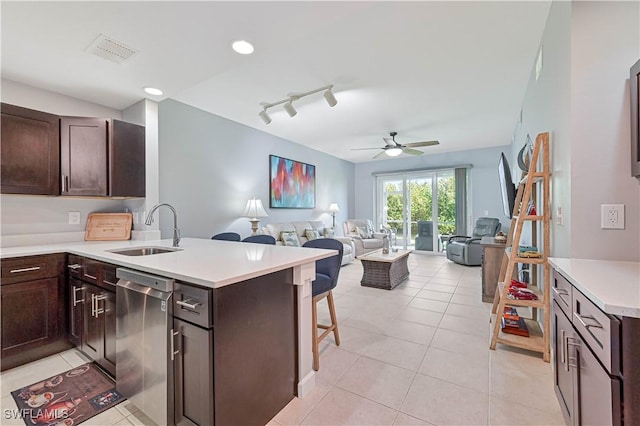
(599, 330)
(193, 304)
(28, 269)
(562, 290)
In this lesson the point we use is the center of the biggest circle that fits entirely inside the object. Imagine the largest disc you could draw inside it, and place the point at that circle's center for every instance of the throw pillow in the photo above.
(311, 234)
(290, 238)
(328, 233)
(363, 232)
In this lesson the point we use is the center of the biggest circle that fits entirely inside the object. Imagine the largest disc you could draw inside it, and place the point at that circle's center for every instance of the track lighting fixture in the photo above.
(265, 117)
(290, 109)
(288, 103)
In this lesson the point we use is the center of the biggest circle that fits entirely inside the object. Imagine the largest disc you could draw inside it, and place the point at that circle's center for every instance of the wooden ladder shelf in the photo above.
(538, 339)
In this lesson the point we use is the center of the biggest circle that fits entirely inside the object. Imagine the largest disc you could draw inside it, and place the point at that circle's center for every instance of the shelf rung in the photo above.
(535, 341)
(539, 304)
(529, 260)
(537, 177)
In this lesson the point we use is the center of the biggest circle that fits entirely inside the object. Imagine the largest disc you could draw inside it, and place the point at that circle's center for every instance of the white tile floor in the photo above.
(415, 355)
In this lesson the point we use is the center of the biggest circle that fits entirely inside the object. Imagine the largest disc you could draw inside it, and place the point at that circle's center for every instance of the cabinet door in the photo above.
(76, 311)
(93, 330)
(108, 360)
(83, 156)
(29, 315)
(193, 374)
(598, 394)
(562, 372)
(30, 142)
(126, 160)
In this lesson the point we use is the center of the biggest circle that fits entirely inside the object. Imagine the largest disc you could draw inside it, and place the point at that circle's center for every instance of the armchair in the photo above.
(363, 244)
(467, 250)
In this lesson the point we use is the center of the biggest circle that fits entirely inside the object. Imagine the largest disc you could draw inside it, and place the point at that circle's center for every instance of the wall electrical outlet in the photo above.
(559, 217)
(612, 216)
(74, 218)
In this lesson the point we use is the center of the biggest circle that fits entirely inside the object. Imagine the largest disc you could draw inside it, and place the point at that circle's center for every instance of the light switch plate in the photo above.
(612, 216)
(74, 218)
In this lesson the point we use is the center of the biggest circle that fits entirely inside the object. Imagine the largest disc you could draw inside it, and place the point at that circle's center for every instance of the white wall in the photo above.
(211, 166)
(605, 42)
(546, 108)
(27, 214)
(484, 185)
(582, 99)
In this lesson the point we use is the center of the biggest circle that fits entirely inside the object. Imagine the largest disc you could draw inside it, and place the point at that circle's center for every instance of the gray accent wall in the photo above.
(582, 99)
(210, 166)
(484, 184)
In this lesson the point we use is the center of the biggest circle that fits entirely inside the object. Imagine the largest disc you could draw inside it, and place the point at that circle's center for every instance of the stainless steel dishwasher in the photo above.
(144, 343)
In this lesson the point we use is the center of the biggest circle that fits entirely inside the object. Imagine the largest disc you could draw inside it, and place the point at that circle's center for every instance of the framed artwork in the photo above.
(292, 184)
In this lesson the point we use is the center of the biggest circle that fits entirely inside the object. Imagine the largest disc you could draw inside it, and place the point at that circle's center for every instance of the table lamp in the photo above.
(333, 208)
(253, 211)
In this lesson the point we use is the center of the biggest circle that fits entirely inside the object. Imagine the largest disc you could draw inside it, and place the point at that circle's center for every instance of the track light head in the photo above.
(290, 109)
(330, 98)
(264, 116)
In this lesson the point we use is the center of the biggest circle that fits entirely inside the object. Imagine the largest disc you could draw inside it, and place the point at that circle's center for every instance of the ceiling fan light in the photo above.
(393, 152)
(330, 98)
(265, 117)
(290, 109)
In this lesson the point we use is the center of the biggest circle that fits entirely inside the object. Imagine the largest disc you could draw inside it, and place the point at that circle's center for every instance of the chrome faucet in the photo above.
(176, 231)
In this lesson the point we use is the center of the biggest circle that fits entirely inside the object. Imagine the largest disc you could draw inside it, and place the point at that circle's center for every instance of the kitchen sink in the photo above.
(144, 251)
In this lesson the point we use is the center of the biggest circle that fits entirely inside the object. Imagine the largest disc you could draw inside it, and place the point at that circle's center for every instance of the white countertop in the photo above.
(613, 286)
(211, 263)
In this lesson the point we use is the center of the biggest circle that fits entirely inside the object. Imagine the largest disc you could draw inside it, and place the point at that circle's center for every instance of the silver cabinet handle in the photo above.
(571, 342)
(581, 319)
(17, 271)
(186, 304)
(90, 276)
(563, 350)
(65, 183)
(173, 335)
(75, 266)
(93, 306)
(560, 292)
(98, 298)
(75, 299)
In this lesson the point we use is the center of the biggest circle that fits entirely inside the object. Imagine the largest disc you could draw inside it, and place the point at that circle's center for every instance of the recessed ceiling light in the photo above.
(242, 47)
(153, 91)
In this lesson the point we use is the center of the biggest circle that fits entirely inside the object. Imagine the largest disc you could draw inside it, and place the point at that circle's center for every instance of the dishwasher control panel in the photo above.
(193, 304)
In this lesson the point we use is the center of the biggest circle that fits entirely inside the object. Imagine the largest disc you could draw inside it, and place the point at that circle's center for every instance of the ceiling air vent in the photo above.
(111, 50)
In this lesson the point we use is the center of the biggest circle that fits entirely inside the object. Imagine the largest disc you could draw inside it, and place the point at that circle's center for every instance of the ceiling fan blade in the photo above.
(426, 143)
(412, 151)
(379, 154)
(360, 149)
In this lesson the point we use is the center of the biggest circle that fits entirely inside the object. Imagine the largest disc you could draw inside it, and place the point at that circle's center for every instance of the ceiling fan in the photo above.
(393, 148)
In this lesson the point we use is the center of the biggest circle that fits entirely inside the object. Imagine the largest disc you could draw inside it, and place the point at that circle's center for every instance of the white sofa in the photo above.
(275, 229)
(363, 245)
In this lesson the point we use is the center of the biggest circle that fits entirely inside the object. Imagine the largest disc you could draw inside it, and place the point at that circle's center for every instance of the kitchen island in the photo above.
(245, 270)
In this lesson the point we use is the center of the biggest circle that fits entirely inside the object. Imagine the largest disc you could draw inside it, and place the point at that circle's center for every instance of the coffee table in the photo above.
(384, 270)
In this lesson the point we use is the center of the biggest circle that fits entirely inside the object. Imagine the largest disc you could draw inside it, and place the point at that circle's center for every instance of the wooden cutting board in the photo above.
(108, 226)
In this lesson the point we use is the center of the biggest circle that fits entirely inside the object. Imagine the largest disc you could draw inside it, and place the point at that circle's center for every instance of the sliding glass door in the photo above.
(421, 208)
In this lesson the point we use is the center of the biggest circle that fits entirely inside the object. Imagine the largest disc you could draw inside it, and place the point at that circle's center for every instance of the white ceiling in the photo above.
(452, 71)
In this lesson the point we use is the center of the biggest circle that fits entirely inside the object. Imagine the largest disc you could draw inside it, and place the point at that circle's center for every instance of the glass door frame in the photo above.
(407, 176)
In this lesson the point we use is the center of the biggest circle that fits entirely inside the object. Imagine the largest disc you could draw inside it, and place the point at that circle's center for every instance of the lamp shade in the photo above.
(333, 208)
(254, 209)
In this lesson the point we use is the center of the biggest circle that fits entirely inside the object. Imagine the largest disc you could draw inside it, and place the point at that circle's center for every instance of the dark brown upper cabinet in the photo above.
(30, 157)
(101, 157)
(127, 159)
(83, 156)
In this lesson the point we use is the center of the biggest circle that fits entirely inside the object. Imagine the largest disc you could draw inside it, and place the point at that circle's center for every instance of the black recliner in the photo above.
(467, 250)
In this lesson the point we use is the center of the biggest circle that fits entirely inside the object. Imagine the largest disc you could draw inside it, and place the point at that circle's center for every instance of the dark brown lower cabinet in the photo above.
(29, 315)
(76, 311)
(99, 330)
(193, 375)
(32, 312)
